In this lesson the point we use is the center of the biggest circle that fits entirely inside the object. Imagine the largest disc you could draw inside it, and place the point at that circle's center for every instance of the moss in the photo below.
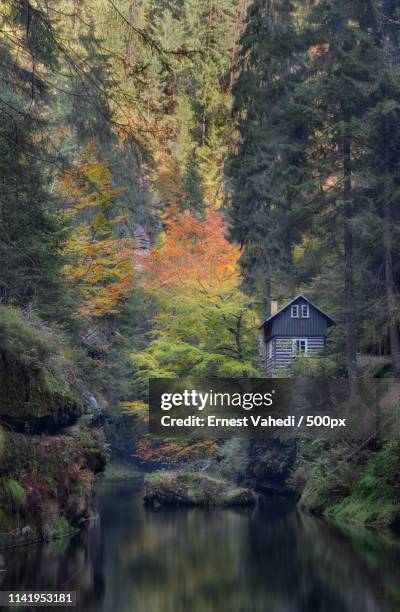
(358, 512)
(59, 527)
(20, 340)
(364, 490)
(34, 375)
(375, 497)
(46, 481)
(43, 478)
(16, 492)
(193, 489)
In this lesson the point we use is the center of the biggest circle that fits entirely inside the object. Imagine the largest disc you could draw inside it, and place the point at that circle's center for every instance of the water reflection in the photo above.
(266, 559)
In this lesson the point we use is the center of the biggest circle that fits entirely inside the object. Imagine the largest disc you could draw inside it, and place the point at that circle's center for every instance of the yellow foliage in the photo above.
(100, 265)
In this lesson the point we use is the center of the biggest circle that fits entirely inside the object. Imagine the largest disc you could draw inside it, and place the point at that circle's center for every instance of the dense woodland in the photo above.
(168, 168)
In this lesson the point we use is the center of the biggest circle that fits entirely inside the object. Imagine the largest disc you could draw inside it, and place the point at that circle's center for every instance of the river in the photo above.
(268, 559)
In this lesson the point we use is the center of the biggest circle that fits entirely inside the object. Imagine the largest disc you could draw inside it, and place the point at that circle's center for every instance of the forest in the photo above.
(168, 169)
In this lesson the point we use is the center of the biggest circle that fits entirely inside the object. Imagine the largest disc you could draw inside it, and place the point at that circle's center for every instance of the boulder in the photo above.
(193, 489)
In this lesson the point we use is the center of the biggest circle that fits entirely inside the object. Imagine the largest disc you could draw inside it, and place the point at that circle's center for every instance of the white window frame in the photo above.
(295, 351)
(305, 311)
(295, 311)
(270, 351)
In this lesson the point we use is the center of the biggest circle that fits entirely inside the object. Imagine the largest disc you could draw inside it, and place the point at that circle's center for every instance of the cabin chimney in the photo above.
(274, 307)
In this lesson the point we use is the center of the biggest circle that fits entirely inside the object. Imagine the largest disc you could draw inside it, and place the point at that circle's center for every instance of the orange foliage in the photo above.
(194, 254)
(169, 453)
(168, 182)
(134, 126)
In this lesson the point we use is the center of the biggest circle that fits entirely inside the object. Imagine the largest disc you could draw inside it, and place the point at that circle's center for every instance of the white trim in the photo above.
(306, 308)
(295, 309)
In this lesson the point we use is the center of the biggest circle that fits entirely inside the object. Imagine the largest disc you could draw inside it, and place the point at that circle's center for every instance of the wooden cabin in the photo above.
(298, 328)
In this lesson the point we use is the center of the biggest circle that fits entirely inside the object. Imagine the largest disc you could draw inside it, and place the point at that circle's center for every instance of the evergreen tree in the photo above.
(307, 85)
(192, 182)
(265, 170)
(383, 177)
(344, 67)
(30, 233)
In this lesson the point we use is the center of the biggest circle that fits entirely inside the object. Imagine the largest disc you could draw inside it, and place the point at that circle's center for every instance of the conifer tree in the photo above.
(264, 171)
(30, 233)
(383, 150)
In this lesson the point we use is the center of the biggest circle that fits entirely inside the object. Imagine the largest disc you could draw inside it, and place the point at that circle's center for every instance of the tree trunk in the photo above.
(391, 303)
(262, 347)
(348, 266)
(267, 291)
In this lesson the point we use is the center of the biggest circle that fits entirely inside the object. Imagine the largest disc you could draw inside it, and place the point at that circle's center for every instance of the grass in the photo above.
(184, 477)
(362, 491)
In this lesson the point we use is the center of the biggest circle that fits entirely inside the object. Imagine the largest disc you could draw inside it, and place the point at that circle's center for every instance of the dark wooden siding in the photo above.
(284, 325)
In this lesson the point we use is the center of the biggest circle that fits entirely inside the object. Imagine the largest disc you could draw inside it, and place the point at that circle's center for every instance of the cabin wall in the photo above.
(282, 350)
(270, 360)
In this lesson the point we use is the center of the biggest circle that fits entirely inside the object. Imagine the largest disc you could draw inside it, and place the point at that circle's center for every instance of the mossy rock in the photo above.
(56, 527)
(28, 394)
(193, 489)
(36, 379)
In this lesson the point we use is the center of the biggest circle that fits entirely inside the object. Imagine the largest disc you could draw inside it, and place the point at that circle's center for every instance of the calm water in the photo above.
(269, 559)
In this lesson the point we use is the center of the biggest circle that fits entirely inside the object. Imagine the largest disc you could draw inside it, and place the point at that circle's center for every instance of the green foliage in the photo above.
(31, 236)
(16, 492)
(25, 339)
(166, 359)
(264, 170)
(359, 487)
(375, 497)
(193, 489)
(233, 460)
(313, 180)
(313, 366)
(323, 474)
(59, 527)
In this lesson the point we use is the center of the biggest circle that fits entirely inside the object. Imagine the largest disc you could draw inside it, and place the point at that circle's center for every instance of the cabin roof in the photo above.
(278, 312)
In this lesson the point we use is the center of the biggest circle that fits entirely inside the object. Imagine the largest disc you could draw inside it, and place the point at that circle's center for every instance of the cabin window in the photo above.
(270, 351)
(295, 312)
(300, 346)
(305, 311)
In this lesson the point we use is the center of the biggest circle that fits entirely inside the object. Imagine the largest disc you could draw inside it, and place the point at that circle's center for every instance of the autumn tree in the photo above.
(204, 324)
(100, 258)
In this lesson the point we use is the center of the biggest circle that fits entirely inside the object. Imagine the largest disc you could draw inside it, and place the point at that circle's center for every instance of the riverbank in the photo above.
(350, 485)
(130, 558)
